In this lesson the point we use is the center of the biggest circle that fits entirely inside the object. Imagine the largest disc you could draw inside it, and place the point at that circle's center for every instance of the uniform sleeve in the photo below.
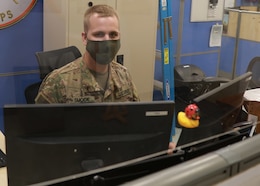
(135, 94)
(134, 89)
(50, 91)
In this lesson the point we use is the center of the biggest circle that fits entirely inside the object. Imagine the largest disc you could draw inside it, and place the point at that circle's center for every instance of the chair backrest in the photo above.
(191, 82)
(254, 67)
(48, 61)
(51, 60)
(188, 72)
(31, 92)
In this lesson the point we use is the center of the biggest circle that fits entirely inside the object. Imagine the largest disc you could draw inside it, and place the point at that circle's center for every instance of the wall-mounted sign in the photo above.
(12, 11)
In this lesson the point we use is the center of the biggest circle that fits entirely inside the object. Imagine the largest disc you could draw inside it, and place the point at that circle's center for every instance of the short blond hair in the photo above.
(101, 10)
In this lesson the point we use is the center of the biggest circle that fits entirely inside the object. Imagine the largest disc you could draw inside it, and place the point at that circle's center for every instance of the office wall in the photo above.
(236, 53)
(18, 44)
(190, 41)
(191, 44)
(18, 65)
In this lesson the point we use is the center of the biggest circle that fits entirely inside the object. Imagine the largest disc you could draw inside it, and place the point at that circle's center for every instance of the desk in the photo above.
(3, 171)
(252, 104)
(252, 95)
(248, 177)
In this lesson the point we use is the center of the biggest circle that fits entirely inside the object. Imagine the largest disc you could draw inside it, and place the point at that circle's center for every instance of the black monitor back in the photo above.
(45, 142)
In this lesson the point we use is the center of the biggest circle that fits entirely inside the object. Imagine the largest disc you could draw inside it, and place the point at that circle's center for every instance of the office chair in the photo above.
(31, 92)
(191, 82)
(254, 67)
(49, 61)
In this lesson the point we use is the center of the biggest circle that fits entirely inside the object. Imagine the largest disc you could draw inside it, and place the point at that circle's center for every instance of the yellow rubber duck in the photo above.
(189, 118)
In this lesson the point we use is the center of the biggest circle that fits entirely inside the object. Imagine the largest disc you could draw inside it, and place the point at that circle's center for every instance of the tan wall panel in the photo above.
(250, 26)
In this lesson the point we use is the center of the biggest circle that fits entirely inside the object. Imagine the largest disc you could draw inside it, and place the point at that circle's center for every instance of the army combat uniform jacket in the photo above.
(74, 83)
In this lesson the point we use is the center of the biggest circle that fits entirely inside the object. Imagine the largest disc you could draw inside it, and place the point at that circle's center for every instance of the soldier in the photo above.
(95, 77)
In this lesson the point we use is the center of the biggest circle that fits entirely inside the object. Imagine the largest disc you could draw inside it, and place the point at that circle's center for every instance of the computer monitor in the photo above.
(48, 141)
(218, 109)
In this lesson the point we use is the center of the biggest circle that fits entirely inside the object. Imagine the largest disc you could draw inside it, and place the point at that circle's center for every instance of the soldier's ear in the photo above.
(84, 38)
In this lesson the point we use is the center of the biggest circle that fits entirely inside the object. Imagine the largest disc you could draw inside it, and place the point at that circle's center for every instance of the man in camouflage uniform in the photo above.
(95, 77)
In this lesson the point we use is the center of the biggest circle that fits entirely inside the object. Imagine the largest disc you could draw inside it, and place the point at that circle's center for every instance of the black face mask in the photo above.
(103, 52)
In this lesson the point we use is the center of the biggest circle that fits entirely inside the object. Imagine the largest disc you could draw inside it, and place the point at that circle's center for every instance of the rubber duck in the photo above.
(189, 118)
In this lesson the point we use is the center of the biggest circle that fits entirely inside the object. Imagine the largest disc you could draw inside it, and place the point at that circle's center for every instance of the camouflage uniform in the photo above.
(74, 83)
